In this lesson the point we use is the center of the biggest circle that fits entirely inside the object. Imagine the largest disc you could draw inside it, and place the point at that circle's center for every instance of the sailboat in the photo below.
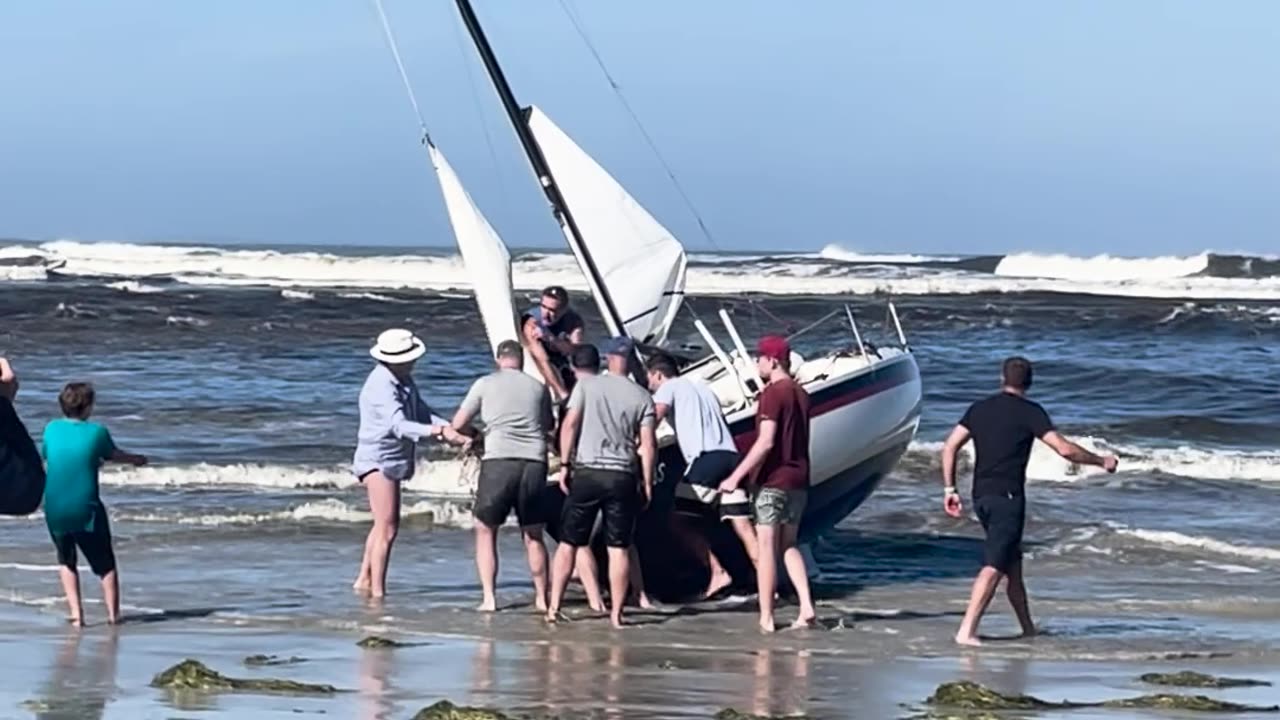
(865, 400)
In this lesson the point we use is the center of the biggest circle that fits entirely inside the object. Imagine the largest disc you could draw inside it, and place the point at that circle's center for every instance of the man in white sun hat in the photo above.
(393, 418)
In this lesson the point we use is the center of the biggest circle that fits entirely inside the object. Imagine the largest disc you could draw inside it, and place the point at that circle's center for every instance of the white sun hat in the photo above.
(398, 345)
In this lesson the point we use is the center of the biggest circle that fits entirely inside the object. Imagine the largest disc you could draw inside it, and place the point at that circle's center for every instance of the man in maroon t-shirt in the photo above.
(778, 465)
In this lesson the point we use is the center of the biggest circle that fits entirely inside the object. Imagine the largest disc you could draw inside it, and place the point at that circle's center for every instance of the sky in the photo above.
(1149, 127)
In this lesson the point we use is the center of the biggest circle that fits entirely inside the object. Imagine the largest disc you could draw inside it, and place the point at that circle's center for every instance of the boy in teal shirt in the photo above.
(74, 448)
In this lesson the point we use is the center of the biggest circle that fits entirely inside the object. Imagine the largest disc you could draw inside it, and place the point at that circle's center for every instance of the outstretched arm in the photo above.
(755, 456)
(129, 458)
(1076, 454)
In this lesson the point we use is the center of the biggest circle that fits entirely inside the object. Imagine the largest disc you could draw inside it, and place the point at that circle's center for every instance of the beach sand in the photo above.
(671, 664)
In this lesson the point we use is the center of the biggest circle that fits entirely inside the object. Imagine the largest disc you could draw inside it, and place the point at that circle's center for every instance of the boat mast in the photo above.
(559, 208)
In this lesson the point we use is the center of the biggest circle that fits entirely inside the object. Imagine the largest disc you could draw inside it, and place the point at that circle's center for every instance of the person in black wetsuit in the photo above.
(1003, 427)
(550, 330)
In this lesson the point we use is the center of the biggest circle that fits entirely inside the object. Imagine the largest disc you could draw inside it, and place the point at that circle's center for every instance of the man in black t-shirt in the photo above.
(1003, 427)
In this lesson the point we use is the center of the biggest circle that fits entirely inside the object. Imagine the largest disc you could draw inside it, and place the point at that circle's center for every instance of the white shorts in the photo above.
(698, 499)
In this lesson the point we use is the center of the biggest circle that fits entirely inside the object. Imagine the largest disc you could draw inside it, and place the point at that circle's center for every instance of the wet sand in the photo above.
(670, 665)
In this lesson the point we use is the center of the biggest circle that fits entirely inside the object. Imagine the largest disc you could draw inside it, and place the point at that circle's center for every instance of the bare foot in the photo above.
(540, 605)
(378, 594)
(718, 583)
(488, 606)
(75, 622)
(554, 616)
(360, 585)
(804, 622)
(645, 603)
(616, 621)
(968, 640)
(766, 625)
(597, 608)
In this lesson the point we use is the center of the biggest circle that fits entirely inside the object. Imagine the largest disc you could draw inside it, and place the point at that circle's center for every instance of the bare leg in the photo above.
(796, 571)
(536, 550)
(589, 574)
(636, 578)
(746, 532)
(767, 537)
(71, 588)
(698, 546)
(362, 576)
(384, 501)
(619, 577)
(1017, 592)
(561, 568)
(487, 565)
(984, 587)
(111, 596)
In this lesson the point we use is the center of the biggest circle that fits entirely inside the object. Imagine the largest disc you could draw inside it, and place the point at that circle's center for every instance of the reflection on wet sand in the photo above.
(781, 682)
(375, 685)
(80, 687)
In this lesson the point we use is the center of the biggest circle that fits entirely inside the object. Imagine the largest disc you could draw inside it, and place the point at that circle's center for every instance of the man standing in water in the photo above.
(393, 418)
(778, 463)
(710, 455)
(550, 330)
(515, 410)
(607, 432)
(1003, 428)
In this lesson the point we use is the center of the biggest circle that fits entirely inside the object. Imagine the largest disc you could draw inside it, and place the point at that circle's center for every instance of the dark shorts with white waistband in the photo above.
(699, 491)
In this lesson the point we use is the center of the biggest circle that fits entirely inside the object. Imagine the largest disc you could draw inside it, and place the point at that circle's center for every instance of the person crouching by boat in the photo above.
(515, 410)
(607, 433)
(1003, 428)
(74, 448)
(710, 455)
(778, 465)
(550, 330)
(393, 418)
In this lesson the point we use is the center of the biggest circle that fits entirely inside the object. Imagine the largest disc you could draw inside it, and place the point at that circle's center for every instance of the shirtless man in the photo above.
(550, 330)
(1003, 428)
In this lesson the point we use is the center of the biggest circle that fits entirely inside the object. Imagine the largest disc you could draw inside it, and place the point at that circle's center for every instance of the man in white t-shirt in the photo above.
(710, 455)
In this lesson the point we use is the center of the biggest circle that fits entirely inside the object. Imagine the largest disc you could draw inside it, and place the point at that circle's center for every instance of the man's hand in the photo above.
(646, 491)
(731, 483)
(1110, 463)
(138, 460)
(564, 479)
(951, 503)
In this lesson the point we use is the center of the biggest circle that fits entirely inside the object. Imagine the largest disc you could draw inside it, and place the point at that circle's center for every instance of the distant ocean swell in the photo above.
(832, 271)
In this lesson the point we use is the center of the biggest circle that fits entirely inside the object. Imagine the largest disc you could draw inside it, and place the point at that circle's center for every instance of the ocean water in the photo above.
(237, 371)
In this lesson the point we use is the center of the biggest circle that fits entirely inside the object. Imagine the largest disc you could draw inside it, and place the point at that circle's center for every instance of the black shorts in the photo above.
(1003, 518)
(95, 544)
(613, 494)
(511, 483)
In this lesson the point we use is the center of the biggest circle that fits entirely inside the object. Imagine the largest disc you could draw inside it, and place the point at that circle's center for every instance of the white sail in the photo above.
(641, 264)
(485, 256)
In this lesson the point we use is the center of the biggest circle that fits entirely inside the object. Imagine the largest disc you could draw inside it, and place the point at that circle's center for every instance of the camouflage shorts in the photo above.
(779, 507)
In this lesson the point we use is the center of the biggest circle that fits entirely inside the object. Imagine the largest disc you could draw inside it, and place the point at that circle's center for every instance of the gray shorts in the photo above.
(772, 506)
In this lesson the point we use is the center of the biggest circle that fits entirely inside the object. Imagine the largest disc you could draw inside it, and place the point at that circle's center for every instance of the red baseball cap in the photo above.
(774, 347)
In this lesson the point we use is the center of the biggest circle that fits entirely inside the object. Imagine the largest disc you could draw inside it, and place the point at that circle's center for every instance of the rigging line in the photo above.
(617, 89)
(404, 76)
(479, 107)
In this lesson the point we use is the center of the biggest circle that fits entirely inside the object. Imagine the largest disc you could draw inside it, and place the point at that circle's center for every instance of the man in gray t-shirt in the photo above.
(606, 440)
(515, 412)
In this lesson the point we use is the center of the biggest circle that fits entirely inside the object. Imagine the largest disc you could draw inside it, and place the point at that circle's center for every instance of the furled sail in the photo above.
(641, 264)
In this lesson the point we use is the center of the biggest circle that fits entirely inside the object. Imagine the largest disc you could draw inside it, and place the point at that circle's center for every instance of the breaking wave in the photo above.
(832, 271)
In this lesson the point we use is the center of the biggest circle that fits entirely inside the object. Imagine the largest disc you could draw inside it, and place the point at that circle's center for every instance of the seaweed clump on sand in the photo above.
(265, 660)
(972, 696)
(731, 714)
(445, 710)
(376, 642)
(1190, 678)
(195, 675)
